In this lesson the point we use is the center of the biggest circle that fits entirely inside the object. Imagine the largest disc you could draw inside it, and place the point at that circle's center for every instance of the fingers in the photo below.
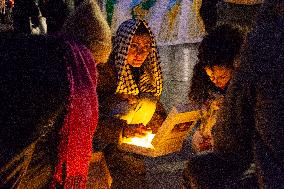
(136, 130)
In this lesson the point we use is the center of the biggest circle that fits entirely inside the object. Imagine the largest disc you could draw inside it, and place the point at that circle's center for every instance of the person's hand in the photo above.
(135, 130)
(201, 142)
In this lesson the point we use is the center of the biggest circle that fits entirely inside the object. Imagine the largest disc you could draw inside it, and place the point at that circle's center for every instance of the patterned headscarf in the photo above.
(150, 80)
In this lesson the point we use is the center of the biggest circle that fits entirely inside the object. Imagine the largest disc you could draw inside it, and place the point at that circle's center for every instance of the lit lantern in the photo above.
(168, 139)
(143, 141)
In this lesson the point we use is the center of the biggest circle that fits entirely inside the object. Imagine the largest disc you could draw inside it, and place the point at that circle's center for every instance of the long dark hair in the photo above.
(219, 48)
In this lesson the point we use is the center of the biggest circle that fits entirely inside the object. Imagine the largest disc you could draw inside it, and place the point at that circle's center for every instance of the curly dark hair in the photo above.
(219, 48)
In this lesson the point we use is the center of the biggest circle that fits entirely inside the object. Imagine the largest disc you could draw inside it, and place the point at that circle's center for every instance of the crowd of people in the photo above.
(71, 92)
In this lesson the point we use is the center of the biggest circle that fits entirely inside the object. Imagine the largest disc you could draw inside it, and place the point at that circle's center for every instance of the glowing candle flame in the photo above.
(144, 141)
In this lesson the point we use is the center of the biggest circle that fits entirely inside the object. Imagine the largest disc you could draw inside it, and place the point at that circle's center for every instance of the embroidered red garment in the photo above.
(76, 135)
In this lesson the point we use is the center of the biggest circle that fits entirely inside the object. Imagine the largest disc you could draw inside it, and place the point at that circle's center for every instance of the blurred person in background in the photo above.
(24, 13)
(240, 13)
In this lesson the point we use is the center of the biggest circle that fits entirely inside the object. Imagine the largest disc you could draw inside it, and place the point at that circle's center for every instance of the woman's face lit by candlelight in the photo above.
(139, 50)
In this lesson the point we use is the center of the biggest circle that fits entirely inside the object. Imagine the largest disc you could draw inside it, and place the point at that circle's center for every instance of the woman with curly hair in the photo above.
(218, 53)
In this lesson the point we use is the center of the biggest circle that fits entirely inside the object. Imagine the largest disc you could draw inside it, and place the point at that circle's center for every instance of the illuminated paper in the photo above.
(169, 137)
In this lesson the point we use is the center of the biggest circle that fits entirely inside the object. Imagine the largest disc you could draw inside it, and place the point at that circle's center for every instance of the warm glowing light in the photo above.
(142, 113)
(144, 141)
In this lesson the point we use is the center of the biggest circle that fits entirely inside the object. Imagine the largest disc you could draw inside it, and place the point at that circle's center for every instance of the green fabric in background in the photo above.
(110, 9)
(148, 4)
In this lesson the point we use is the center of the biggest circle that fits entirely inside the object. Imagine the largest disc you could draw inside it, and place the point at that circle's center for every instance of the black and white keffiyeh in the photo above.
(150, 80)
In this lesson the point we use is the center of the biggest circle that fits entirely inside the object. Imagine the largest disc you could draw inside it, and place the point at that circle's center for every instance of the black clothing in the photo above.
(33, 94)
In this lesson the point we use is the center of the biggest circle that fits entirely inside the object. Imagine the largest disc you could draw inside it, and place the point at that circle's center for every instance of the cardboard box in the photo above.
(169, 137)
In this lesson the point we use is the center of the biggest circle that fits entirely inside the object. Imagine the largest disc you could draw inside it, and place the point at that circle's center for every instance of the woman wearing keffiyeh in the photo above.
(130, 85)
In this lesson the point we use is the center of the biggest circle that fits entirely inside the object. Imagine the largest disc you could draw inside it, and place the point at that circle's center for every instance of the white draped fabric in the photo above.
(177, 62)
(178, 24)
(186, 26)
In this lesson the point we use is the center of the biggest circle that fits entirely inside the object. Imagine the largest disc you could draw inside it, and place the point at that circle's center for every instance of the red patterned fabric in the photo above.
(76, 135)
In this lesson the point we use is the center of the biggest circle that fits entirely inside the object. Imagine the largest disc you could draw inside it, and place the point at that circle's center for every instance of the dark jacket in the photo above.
(252, 124)
(49, 109)
(33, 94)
